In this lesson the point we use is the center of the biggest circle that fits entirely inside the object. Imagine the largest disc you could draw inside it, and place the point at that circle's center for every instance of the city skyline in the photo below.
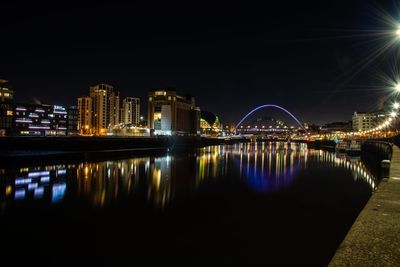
(139, 133)
(242, 57)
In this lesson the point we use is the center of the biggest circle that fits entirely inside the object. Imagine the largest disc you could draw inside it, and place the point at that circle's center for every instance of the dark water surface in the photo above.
(264, 204)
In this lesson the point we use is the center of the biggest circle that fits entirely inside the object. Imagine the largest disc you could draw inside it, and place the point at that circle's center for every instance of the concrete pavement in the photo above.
(374, 238)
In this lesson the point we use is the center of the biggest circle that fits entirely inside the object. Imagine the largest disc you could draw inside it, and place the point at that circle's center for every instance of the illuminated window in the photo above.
(163, 93)
(150, 98)
(157, 116)
(9, 112)
(6, 94)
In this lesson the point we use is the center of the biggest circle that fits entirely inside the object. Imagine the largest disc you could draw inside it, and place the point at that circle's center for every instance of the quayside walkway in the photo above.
(374, 238)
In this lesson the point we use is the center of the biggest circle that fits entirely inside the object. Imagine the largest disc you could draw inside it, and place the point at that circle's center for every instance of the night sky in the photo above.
(304, 56)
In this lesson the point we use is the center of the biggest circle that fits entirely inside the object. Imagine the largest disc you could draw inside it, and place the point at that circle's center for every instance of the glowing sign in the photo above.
(59, 107)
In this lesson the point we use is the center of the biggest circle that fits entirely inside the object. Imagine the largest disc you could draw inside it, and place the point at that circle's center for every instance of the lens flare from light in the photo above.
(397, 87)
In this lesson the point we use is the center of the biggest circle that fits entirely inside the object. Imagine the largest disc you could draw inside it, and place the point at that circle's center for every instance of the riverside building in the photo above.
(39, 120)
(172, 114)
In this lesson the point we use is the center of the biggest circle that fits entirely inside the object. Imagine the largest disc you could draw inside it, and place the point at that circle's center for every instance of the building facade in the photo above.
(39, 120)
(6, 93)
(131, 111)
(114, 109)
(6, 108)
(363, 121)
(339, 126)
(99, 94)
(105, 107)
(172, 114)
(85, 115)
(72, 120)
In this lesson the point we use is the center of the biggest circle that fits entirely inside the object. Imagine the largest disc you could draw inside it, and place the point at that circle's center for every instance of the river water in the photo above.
(256, 204)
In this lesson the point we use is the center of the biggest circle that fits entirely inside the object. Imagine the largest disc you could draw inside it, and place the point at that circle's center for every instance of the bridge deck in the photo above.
(374, 239)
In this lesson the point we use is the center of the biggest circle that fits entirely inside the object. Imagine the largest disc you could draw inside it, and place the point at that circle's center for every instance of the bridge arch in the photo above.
(270, 106)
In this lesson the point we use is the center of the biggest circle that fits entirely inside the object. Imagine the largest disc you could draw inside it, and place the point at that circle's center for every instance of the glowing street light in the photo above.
(397, 87)
(398, 31)
(396, 105)
(393, 114)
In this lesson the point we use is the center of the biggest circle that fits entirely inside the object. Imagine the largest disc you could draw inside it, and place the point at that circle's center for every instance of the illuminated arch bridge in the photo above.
(270, 106)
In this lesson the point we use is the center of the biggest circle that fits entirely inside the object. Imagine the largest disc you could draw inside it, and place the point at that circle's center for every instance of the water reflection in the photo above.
(270, 166)
(265, 167)
(48, 182)
(102, 182)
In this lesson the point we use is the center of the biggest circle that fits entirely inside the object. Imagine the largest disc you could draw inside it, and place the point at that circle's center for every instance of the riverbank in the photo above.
(14, 150)
(106, 143)
(374, 238)
(33, 149)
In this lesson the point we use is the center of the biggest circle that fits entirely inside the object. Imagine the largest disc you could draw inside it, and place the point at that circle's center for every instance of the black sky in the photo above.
(231, 57)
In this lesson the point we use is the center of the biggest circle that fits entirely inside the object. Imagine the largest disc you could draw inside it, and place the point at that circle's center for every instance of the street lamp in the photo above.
(393, 114)
(396, 105)
(397, 87)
